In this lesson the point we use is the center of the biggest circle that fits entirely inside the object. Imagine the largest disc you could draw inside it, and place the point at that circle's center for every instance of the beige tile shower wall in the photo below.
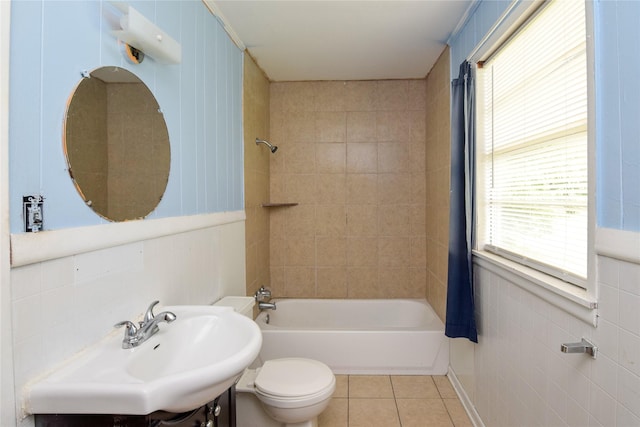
(438, 156)
(256, 175)
(352, 154)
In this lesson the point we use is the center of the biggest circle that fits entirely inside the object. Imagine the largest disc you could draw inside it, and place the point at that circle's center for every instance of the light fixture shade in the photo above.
(144, 35)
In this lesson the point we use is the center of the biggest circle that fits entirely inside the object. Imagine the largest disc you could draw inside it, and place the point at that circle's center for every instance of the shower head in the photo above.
(273, 148)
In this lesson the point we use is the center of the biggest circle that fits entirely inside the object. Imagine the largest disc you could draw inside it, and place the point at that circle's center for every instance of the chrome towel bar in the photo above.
(583, 346)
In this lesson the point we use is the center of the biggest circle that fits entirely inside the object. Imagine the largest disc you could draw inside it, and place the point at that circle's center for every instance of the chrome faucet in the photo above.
(267, 305)
(134, 336)
(262, 295)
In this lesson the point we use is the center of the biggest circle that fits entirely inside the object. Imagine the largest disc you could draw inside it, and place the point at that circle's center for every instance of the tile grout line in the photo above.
(348, 397)
(443, 402)
(395, 401)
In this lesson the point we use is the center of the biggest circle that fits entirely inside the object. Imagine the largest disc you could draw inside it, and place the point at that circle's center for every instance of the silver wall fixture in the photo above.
(263, 296)
(273, 148)
(142, 37)
(33, 213)
(583, 346)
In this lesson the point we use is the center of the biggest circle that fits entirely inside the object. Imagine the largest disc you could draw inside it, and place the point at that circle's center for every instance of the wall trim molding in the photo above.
(215, 11)
(619, 244)
(464, 399)
(30, 248)
(463, 21)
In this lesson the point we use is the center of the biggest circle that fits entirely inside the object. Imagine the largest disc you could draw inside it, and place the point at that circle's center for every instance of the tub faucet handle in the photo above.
(263, 294)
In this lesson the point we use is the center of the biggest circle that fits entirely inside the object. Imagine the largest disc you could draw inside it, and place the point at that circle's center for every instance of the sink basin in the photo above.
(186, 364)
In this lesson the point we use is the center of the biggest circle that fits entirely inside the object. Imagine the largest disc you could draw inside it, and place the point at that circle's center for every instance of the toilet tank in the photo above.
(243, 305)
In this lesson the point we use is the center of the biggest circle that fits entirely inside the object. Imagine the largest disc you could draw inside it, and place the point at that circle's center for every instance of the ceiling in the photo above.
(299, 40)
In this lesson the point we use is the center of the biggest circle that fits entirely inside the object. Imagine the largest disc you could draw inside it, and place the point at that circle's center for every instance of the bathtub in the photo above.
(402, 337)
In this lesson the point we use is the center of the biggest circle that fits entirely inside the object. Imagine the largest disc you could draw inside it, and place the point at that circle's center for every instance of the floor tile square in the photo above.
(423, 412)
(373, 413)
(336, 414)
(370, 386)
(457, 413)
(444, 387)
(414, 387)
(342, 386)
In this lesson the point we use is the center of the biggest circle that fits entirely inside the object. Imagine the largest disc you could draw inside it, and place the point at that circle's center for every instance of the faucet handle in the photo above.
(148, 315)
(131, 329)
(266, 292)
(262, 294)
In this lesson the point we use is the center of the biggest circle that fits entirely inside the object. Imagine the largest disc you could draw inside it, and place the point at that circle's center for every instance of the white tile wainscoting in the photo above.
(517, 375)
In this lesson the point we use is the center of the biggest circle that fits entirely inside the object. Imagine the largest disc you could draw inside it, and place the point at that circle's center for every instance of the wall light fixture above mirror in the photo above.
(116, 144)
(144, 36)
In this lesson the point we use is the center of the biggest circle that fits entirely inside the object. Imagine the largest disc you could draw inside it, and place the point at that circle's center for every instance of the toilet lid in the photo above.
(291, 377)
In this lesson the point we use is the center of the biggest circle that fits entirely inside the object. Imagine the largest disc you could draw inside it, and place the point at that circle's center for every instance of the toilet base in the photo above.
(250, 413)
(310, 423)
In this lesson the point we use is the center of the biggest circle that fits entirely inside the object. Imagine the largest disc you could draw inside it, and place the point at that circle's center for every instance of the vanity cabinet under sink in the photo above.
(220, 412)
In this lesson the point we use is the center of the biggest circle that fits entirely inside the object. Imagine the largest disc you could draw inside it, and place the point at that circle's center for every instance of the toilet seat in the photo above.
(294, 382)
(293, 378)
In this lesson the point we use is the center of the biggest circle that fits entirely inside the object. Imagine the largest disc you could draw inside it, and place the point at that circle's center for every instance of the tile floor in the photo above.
(394, 401)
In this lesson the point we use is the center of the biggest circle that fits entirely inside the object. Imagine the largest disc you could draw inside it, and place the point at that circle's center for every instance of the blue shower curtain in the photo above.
(460, 320)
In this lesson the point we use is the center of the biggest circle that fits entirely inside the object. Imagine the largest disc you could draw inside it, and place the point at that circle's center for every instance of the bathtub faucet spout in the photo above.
(267, 305)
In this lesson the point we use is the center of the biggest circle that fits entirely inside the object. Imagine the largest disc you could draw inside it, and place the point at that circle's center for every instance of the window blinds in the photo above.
(534, 143)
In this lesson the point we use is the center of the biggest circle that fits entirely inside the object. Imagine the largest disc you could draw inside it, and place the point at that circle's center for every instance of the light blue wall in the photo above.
(52, 42)
(617, 37)
(617, 61)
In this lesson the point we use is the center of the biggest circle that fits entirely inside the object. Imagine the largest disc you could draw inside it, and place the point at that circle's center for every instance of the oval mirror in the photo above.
(117, 144)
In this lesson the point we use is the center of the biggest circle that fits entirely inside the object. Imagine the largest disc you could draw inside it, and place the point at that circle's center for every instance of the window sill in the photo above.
(569, 298)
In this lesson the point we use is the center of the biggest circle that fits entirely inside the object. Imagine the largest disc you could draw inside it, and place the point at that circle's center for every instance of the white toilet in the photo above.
(291, 392)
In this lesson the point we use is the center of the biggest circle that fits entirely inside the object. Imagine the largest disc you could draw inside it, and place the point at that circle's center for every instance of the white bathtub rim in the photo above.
(432, 321)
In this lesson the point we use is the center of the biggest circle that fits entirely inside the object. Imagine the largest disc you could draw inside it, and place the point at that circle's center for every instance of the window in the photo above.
(532, 144)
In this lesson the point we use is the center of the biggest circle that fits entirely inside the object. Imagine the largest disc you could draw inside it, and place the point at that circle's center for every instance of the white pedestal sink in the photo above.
(186, 364)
